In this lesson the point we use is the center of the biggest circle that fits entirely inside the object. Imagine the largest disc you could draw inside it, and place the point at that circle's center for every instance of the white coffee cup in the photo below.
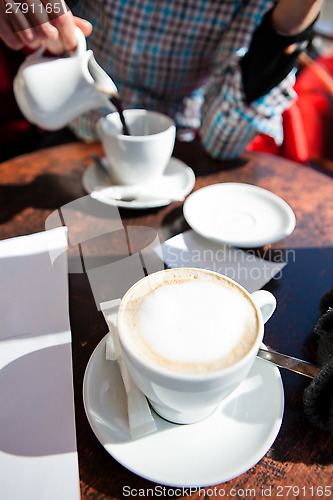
(184, 369)
(143, 155)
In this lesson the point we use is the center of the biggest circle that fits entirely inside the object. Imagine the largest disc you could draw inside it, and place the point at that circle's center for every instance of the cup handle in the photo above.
(80, 48)
(266, 302)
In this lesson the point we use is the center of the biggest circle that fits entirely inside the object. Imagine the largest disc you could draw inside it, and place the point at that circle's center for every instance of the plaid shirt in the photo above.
(181, 57)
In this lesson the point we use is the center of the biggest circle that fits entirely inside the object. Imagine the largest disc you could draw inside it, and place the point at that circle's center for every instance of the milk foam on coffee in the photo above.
(191, 322)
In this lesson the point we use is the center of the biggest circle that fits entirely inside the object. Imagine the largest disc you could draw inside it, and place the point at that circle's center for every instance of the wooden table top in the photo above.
(35, 186)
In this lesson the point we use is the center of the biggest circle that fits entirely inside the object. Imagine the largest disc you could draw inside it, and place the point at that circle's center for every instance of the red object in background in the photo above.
(308, 123)
(13, 126)
(265, 144)
(295, 144)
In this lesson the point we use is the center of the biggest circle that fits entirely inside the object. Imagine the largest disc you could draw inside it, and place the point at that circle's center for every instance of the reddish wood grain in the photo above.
(34, 186)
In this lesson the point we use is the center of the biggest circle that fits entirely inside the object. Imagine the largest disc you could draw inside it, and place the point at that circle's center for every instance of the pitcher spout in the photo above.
(103, 82)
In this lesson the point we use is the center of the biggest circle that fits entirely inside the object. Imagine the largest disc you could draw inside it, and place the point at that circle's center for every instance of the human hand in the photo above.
(32, 23)
(291, 17)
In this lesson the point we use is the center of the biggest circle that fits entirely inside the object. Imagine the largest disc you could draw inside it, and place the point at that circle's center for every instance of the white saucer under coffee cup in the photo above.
(144, 154)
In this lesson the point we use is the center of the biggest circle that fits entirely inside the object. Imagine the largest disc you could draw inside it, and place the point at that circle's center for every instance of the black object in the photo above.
(267, 61)
(318, 397)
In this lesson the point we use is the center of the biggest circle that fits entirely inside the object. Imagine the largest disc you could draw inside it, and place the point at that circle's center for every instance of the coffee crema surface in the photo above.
(189, 321)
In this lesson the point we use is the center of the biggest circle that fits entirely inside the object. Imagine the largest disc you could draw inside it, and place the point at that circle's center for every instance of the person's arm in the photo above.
(50, 23)
(275, 48)
(291, 17)
(248, 94)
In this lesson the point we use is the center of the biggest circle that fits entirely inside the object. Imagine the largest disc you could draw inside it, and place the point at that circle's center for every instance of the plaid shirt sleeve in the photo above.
(229, 123)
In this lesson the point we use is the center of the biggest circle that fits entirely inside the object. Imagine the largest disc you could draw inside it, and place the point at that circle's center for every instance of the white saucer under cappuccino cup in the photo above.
(189, 337)
(143, 155)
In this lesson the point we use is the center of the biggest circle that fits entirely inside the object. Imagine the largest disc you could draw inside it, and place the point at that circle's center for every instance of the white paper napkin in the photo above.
(189, 249)
(140, 419)
(38, 454)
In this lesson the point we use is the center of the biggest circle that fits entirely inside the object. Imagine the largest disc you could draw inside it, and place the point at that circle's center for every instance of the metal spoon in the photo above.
(290, 363)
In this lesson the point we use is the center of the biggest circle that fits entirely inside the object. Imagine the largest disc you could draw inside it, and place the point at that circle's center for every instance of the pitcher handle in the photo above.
(38, 53)
(81, 43)
(81, 47)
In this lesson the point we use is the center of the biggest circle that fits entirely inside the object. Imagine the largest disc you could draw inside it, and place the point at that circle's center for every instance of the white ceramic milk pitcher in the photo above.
(51, 91)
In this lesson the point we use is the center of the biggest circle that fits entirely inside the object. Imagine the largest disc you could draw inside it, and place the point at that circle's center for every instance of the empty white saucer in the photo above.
(240, 215)
(177, 176)
(229, 442)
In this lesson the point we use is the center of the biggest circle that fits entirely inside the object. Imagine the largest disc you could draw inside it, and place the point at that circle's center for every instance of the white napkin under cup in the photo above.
(140, 419)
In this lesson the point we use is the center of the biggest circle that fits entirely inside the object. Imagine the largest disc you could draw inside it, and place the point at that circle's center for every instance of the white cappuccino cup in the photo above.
(141, 156)
(189, 337)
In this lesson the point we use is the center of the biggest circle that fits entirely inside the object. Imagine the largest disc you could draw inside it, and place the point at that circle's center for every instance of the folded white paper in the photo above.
(189, 249)
(140, 419)
(38, 454)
